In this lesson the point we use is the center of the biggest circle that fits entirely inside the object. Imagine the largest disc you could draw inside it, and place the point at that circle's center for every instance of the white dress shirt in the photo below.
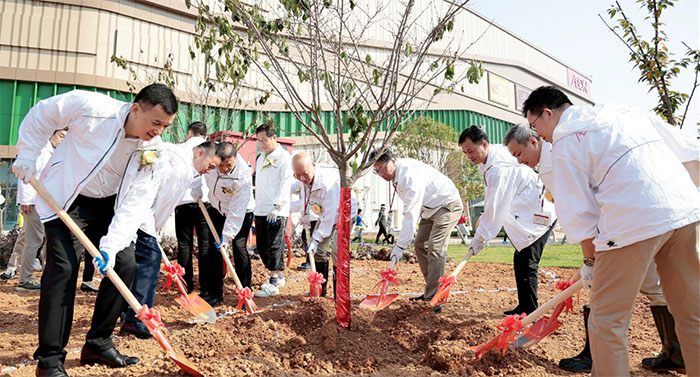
(232, 195)
(273, 182)
(422, 188)
(106, 182)
(196, 179)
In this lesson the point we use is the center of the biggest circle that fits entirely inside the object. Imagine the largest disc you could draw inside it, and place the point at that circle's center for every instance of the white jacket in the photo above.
(196, 179)
(321, 199)
(422, 188)
(232, 195)
(512, 197)
(273, 182)
(96, 124)
(137, 193)
(26, 192)
(616, 180)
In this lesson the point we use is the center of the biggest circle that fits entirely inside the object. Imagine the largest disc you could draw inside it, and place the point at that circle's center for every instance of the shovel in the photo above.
(244, 295)
(517, 323)
(315, 278)
(192, 302)
(446, 281)
(382, 300)
(150, 317)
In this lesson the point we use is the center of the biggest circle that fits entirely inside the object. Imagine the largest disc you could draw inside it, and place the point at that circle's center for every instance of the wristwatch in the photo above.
(588, 261)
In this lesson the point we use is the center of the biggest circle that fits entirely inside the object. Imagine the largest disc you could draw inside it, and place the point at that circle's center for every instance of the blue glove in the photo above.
(223, 245)
(105, 263)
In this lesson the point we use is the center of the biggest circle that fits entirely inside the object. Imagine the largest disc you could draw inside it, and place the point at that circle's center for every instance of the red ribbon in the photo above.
(245, 295)
(150, 317)
(569, 302)
(446, 281)
(388, 275)
(175, 271)
(289, 249)
(316, 278)
(511, 327)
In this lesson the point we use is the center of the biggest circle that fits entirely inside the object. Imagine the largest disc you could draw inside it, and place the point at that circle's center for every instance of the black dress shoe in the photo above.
(516, 310)
(418, 298)
(89, 287)
(58, 371)
(304, 266)
(204, 295)
(213, 301)
(110, 357)
(137, 329)
(437, 309)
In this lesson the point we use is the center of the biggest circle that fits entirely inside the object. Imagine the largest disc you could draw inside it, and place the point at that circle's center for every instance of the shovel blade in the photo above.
(538, 331)
(373, 302)
(197, 306)
(184, 364)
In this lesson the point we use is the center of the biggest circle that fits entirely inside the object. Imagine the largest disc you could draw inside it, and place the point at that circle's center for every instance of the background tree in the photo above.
(656, 64)
(435, 143)
(317, 57)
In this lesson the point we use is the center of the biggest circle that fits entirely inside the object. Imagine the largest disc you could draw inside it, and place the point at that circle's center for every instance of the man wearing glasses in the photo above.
(273, 185)
(514, 200)
(431, 198)
(626, 197)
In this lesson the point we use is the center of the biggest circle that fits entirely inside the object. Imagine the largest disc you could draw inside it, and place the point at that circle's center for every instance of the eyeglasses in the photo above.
(532, 125)
(381, 170)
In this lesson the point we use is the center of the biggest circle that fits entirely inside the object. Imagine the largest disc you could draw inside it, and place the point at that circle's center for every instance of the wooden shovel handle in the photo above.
(91, 249)
(216, 237)
(558, 299)
(312, 261)
(461, 264)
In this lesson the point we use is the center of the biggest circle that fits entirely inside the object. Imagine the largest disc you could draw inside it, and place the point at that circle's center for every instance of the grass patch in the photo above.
(552, 256)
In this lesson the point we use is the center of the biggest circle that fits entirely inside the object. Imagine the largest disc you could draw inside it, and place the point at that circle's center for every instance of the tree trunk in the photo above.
(343, 266)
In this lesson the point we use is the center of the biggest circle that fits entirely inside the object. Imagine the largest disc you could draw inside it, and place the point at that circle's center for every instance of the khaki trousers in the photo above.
(618, 276)
(431, 244)
(330, 242)
(34, 239)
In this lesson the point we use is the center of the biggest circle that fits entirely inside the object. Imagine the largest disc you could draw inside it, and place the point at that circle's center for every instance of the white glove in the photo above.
(24, 169)
(587, 276)
(196, 193)
(313, 247)
(397, 253)
(475, 246)
(272, 216)
(105, 262)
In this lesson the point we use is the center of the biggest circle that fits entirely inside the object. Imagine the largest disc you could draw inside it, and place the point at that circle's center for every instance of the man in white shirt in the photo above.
(514, 200)
(320, 197)
(232, 204)
(189, 218)
(626, 197)
(172, 168)
(84, 176)
(273, 183)
(431, 198)
(33, 228)
(529, 149)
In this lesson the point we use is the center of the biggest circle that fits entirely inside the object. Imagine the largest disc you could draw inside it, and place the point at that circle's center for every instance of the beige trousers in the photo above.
(431, 244)
(618, 276)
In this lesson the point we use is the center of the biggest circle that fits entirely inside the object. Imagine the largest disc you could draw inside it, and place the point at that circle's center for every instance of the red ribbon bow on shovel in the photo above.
(245, 296)
(175, 271)
(151, 317)
(443, 290)
(315, 280)
(388, 275)
(569, 302)
(510, 327)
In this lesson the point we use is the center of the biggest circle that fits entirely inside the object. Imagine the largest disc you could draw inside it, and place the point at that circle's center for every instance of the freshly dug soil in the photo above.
(299, 337)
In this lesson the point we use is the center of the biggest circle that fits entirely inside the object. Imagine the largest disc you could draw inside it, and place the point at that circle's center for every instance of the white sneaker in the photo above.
(267, 290)
(281, 282)
(37, 265)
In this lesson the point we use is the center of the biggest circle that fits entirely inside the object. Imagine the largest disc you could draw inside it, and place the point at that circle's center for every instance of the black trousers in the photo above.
(270, 240)
(525, 265)
(241, 259)
(60, 277)
(382, 230)
(189, 218)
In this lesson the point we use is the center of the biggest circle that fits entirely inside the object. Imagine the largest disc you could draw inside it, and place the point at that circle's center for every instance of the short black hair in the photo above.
(384, 157)
(543, 97)
(268, 129)
(474, 133)
(157, 94)
(209, 146)
(226, 150)
(198, 129)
